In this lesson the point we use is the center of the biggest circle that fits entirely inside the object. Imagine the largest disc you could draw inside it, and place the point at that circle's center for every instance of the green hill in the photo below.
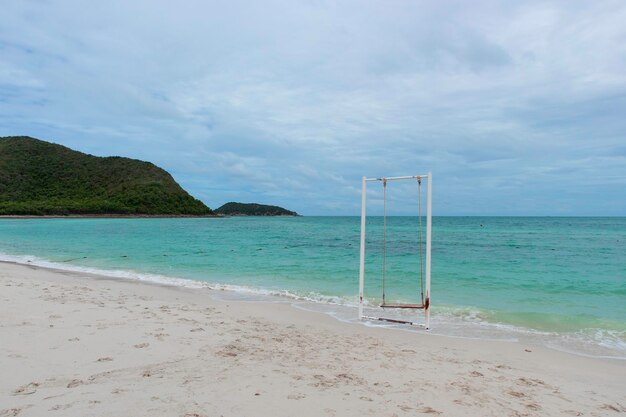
(42, 178)
(253, 209)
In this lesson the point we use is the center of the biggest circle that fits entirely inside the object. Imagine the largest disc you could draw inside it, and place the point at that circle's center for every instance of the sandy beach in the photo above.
(74, 344)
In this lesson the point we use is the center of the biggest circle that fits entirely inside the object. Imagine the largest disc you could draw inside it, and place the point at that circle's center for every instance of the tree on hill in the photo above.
(42, 178)
(253, 209)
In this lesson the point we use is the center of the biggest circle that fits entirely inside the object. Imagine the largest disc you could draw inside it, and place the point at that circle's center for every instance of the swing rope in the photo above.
(419, 216)
(384, 235)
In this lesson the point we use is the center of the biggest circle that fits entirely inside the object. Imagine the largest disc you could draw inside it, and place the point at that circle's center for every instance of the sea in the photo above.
(558, 282)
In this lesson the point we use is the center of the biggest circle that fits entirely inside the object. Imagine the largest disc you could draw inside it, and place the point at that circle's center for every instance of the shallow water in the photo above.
(558, 281)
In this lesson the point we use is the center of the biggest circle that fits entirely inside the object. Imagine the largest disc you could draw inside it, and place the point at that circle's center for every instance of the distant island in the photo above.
(253, 209)
(42, 178)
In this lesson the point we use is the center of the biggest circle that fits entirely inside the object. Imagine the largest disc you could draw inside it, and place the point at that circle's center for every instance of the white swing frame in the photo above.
(426, 303)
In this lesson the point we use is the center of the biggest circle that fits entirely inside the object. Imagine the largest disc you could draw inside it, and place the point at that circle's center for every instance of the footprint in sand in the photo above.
(530, 382)
(27, 389)
(106, 359)
(142, 345)
(618, 408)
(428, 410)
(60, 407)
(74, 383)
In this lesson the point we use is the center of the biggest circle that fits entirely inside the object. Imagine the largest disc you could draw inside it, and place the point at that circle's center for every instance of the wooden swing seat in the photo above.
(416, 306)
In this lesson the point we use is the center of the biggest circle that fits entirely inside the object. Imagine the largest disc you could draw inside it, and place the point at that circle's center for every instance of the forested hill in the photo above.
(253, 209)
(42, 178)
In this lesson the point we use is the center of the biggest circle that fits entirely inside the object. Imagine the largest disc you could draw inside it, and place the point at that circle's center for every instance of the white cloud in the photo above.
(291, 102)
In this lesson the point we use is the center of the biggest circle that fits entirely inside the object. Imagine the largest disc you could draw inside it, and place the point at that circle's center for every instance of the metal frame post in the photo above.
(429, 226)
(362, 257)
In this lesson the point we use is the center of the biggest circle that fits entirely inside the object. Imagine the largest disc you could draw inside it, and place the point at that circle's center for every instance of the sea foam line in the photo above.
(174, 281)
(110, 273)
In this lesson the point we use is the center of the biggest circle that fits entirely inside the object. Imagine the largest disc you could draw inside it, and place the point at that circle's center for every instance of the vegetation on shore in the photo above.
(42, 178)
(253, 209)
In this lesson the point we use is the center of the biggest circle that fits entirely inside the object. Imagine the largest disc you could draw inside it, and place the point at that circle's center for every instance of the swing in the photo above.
(384, 304)
(424, 276)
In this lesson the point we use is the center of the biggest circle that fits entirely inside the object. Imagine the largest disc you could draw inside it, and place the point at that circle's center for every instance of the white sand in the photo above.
(78, 345)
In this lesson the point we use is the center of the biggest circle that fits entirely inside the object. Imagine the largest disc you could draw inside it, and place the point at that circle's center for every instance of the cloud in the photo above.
(512, 106)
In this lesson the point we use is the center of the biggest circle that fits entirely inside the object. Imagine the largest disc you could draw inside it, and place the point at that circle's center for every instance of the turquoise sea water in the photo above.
(556, 281)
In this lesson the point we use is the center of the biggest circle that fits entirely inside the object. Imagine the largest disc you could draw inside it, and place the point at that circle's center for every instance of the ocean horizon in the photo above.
(555, 281)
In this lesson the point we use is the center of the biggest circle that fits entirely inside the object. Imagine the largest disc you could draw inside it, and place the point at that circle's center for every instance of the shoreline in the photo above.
(344, 312)
(110, 216)
(91, 344)
(135, 216)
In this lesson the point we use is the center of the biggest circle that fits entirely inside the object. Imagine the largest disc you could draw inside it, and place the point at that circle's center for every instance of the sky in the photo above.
(517, 107)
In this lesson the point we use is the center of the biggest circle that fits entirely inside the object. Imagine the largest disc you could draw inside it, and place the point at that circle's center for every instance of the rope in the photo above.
(384, 234)
(419, 216)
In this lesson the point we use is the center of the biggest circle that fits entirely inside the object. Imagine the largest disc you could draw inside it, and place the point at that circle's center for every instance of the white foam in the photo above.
(112, 273)
(180, 282)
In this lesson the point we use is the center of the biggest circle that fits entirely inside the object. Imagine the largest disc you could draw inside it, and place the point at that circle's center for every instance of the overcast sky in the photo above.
(518, 108)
